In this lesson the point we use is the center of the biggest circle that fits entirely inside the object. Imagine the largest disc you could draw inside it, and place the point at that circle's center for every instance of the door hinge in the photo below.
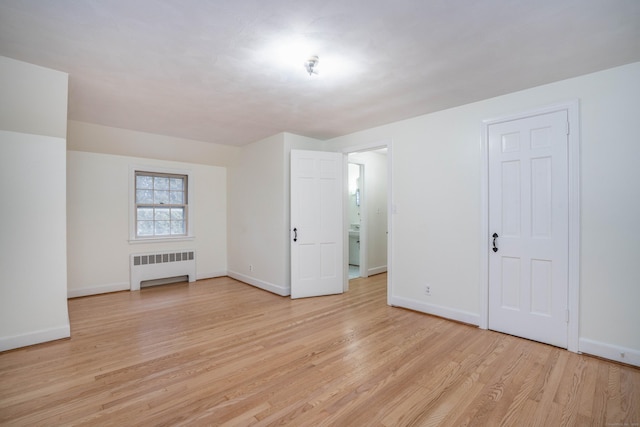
(568, 129)
(566, 315)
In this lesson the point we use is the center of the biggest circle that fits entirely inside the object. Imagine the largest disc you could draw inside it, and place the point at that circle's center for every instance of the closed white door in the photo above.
(316, 223)
(528, 227)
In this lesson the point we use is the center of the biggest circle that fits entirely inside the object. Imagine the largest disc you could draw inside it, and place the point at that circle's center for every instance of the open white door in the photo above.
(316, 223)
(528, 226)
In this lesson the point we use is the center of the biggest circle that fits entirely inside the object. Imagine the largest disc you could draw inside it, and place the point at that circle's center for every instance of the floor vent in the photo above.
(161, 265)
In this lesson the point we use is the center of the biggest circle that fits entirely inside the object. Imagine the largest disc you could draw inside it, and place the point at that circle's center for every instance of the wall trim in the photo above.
(610, 351)
(377, 270)
(98, 289)
(204, 276)
(436, 310)
(35, 337)
(270, 287)
(125, 286)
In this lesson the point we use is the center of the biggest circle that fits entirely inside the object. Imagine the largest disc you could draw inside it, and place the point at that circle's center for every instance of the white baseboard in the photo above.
(377, 270)
(98, 289)
(276, 289)
(609, 351)
(203, 276)
(436, 310)
(36, 337)
(125, 286)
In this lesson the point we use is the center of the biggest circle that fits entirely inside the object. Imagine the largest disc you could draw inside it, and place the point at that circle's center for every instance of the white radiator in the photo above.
(161, 265)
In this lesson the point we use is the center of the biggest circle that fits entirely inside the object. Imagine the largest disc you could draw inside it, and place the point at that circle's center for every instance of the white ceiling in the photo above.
(212, 70)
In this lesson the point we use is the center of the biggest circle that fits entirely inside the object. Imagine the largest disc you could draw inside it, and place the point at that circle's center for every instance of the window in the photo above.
(161, 205)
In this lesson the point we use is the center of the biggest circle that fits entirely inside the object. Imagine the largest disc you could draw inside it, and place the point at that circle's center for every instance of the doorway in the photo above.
(367, 216)
(319, 219)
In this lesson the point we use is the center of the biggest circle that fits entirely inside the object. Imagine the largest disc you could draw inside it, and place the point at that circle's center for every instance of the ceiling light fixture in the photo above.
(311, 63)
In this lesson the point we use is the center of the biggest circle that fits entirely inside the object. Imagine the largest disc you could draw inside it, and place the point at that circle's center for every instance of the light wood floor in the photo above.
(219, 352)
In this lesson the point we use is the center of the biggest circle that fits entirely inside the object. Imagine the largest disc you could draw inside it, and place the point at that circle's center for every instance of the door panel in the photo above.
(528, 210)
(316, 223)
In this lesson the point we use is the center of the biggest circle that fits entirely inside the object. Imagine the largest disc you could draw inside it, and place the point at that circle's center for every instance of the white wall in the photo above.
(258, 223)
(98, 220)
(109, 140)
(99, 159)
(34, 99)
(354, 182)
(436, 190)
(33, 277)
(375, 201)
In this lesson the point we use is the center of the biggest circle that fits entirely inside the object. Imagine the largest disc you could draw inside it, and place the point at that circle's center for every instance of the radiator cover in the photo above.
(161, 265)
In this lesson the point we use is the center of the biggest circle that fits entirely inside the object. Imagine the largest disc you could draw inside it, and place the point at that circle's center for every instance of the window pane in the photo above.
(160, 183)
(177, 227)
(143, 181)
(144, 196)
(176, 183)
(162, 228)
(161, 197)
(145, 228)
(177, 214)
(145, 214)
(162, 214)
(176, 197)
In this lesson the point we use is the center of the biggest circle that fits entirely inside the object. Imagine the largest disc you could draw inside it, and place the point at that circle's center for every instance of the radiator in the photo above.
(161, 265)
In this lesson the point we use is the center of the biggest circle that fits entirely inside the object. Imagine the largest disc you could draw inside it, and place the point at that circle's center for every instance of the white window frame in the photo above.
(133, 238)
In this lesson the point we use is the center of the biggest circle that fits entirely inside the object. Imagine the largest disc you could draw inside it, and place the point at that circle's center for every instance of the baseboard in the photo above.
(436, 310)
(609, 351)
(36, 337)
(125, 286)
(377, 270)
(203, 276)
(276, 289)
(99, 289)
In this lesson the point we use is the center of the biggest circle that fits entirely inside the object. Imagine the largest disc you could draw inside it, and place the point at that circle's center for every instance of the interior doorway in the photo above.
(367, 214)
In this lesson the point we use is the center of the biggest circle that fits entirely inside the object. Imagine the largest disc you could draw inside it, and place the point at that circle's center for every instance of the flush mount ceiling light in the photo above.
(285, 55)
(310, 64)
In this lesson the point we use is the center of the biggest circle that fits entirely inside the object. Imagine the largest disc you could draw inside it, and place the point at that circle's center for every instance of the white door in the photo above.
(528, 227)
(316, 223)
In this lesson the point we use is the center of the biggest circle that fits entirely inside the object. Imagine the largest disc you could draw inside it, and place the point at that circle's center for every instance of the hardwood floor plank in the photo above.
(495, 402)
(219, 352)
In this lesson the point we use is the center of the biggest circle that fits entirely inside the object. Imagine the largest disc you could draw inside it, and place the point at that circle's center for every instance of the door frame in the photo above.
(388, 144)
(572, 108)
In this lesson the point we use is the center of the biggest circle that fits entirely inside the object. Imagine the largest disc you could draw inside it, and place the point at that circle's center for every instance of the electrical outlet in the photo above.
(427, 290)
(250, 267)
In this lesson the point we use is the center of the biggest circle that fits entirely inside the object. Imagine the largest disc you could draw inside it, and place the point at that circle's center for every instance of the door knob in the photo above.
(495, 236)
(295, 234)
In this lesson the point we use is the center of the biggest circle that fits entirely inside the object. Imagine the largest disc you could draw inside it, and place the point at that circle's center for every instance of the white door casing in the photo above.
(317, 245)
(528, 212)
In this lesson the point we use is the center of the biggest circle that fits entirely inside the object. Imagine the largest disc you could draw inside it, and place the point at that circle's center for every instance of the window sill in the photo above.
(161, 239)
